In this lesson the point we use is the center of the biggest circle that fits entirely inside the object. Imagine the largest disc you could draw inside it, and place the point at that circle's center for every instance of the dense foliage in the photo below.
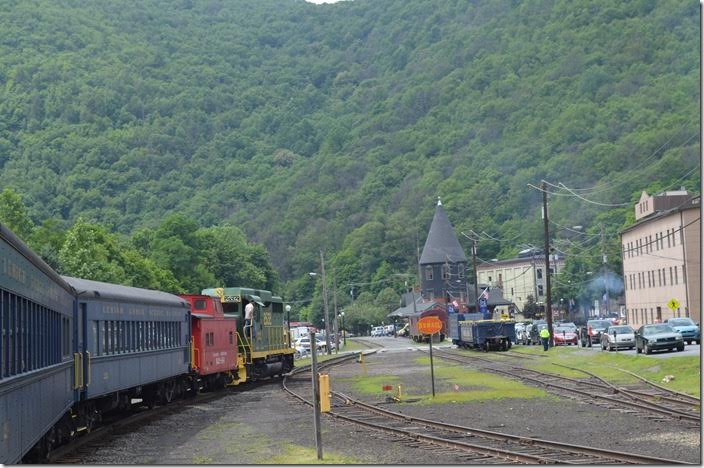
(335, 127)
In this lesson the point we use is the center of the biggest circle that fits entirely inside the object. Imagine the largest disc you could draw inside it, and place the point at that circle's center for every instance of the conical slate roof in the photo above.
(442, 244)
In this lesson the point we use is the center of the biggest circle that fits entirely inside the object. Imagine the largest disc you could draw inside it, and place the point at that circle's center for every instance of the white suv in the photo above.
(377, 331)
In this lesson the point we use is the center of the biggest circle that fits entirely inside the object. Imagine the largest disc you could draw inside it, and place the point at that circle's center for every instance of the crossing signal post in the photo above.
(430, 326)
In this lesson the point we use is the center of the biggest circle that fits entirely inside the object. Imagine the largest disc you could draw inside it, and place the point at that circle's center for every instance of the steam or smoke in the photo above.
(603, 282)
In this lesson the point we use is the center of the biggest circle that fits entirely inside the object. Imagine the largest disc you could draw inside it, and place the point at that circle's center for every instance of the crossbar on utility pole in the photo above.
(548, 297)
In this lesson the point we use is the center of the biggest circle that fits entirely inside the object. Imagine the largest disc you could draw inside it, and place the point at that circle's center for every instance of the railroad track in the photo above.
(368, 343)
(472, 445)
(86, 443)
(595, 390)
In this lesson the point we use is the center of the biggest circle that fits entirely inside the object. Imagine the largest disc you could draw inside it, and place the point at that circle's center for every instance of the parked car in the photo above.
(658, 336)
(403, 331)
(304, 344)
(591, 333)
(564, 336)
(389, 330)
(569, 325)
(377, 331)
(686, 327)
(618, 336)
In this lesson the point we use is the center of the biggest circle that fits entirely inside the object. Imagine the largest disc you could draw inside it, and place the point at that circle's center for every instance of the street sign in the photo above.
(429, 325)
(674, 304)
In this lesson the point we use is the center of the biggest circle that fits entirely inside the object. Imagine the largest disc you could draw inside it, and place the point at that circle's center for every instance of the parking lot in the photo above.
(689, 350)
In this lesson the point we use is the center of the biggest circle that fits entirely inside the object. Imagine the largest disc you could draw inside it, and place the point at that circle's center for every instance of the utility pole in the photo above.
(316, 395)
(476, 278)
(334, 309)
(603, 268)
(420, 280)
(325, 306)
(548, 297)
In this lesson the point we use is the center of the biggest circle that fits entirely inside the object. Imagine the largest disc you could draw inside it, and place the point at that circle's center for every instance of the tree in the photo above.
(13, 213)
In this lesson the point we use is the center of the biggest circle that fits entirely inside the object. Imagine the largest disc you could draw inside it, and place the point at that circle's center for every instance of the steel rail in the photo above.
(609, 455)
(674, 392)
(675, 414)
(603, 455)
(502, 454)
(633, 394)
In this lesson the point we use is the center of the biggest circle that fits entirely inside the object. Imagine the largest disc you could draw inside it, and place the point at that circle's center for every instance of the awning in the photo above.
(253, 298)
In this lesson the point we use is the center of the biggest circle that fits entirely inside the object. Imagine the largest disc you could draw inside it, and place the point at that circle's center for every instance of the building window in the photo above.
(429, 273)
(659, 277)
(445, 272)
(677, 281)
(460, 271)
(659, 314)
(511, 292)
(490, 279)
(540, 290)
(539, 272)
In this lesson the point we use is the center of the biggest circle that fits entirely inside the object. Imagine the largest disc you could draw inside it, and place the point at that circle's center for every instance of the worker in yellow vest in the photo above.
(545, 338)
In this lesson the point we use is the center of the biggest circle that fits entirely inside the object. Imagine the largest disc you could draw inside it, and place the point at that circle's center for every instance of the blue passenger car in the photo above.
(136, 342)
(37, 375)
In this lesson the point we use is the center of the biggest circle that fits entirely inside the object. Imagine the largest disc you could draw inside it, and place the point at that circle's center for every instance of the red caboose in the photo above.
(214, 337)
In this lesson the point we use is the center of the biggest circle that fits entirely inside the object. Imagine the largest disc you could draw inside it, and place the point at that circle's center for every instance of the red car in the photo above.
(564, 336)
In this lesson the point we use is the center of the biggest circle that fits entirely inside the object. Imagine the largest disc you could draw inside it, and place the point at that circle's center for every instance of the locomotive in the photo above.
(73, 349)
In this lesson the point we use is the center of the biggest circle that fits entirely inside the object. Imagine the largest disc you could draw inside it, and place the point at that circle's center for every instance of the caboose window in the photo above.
(199, 304)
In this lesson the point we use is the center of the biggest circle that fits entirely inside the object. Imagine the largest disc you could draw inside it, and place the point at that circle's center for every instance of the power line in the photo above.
(598, 188)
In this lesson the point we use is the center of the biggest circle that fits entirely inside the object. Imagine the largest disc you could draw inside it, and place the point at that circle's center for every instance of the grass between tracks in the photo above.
(453, 384)
(685, 369)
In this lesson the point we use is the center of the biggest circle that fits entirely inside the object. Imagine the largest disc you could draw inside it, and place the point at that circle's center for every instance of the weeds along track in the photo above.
(661, 405)
(471, 445)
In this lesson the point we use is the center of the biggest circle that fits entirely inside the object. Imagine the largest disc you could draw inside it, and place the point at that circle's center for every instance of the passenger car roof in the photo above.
(87, 289)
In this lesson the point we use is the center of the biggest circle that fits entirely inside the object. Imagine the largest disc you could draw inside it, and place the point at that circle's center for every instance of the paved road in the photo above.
(689, 350)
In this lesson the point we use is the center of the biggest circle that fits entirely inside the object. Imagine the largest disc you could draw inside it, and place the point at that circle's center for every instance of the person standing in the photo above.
(248, 320)
(545, 338)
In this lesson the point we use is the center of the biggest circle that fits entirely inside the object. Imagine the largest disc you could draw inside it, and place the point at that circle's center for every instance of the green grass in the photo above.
(296, 455)
(353, 346)
(455, 384)
(686, 369)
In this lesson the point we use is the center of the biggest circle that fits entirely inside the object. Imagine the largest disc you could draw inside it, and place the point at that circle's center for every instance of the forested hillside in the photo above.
(335, 127)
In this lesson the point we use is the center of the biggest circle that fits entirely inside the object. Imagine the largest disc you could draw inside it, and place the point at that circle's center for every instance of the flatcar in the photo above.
(471, 331)
(265, 347)
(214, 357)
(38, 373)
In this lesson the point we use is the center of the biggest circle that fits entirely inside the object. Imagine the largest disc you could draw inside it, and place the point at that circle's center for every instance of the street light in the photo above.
(288, 322)
(344, 334)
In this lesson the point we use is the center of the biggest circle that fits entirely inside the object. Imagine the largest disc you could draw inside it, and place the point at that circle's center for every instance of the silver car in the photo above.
(618, 336)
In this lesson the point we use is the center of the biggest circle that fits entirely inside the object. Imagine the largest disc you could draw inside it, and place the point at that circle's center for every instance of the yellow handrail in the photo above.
(89, 370)
(243, 344)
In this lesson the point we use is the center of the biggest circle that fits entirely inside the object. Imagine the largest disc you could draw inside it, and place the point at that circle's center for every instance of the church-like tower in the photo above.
(443, 263)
